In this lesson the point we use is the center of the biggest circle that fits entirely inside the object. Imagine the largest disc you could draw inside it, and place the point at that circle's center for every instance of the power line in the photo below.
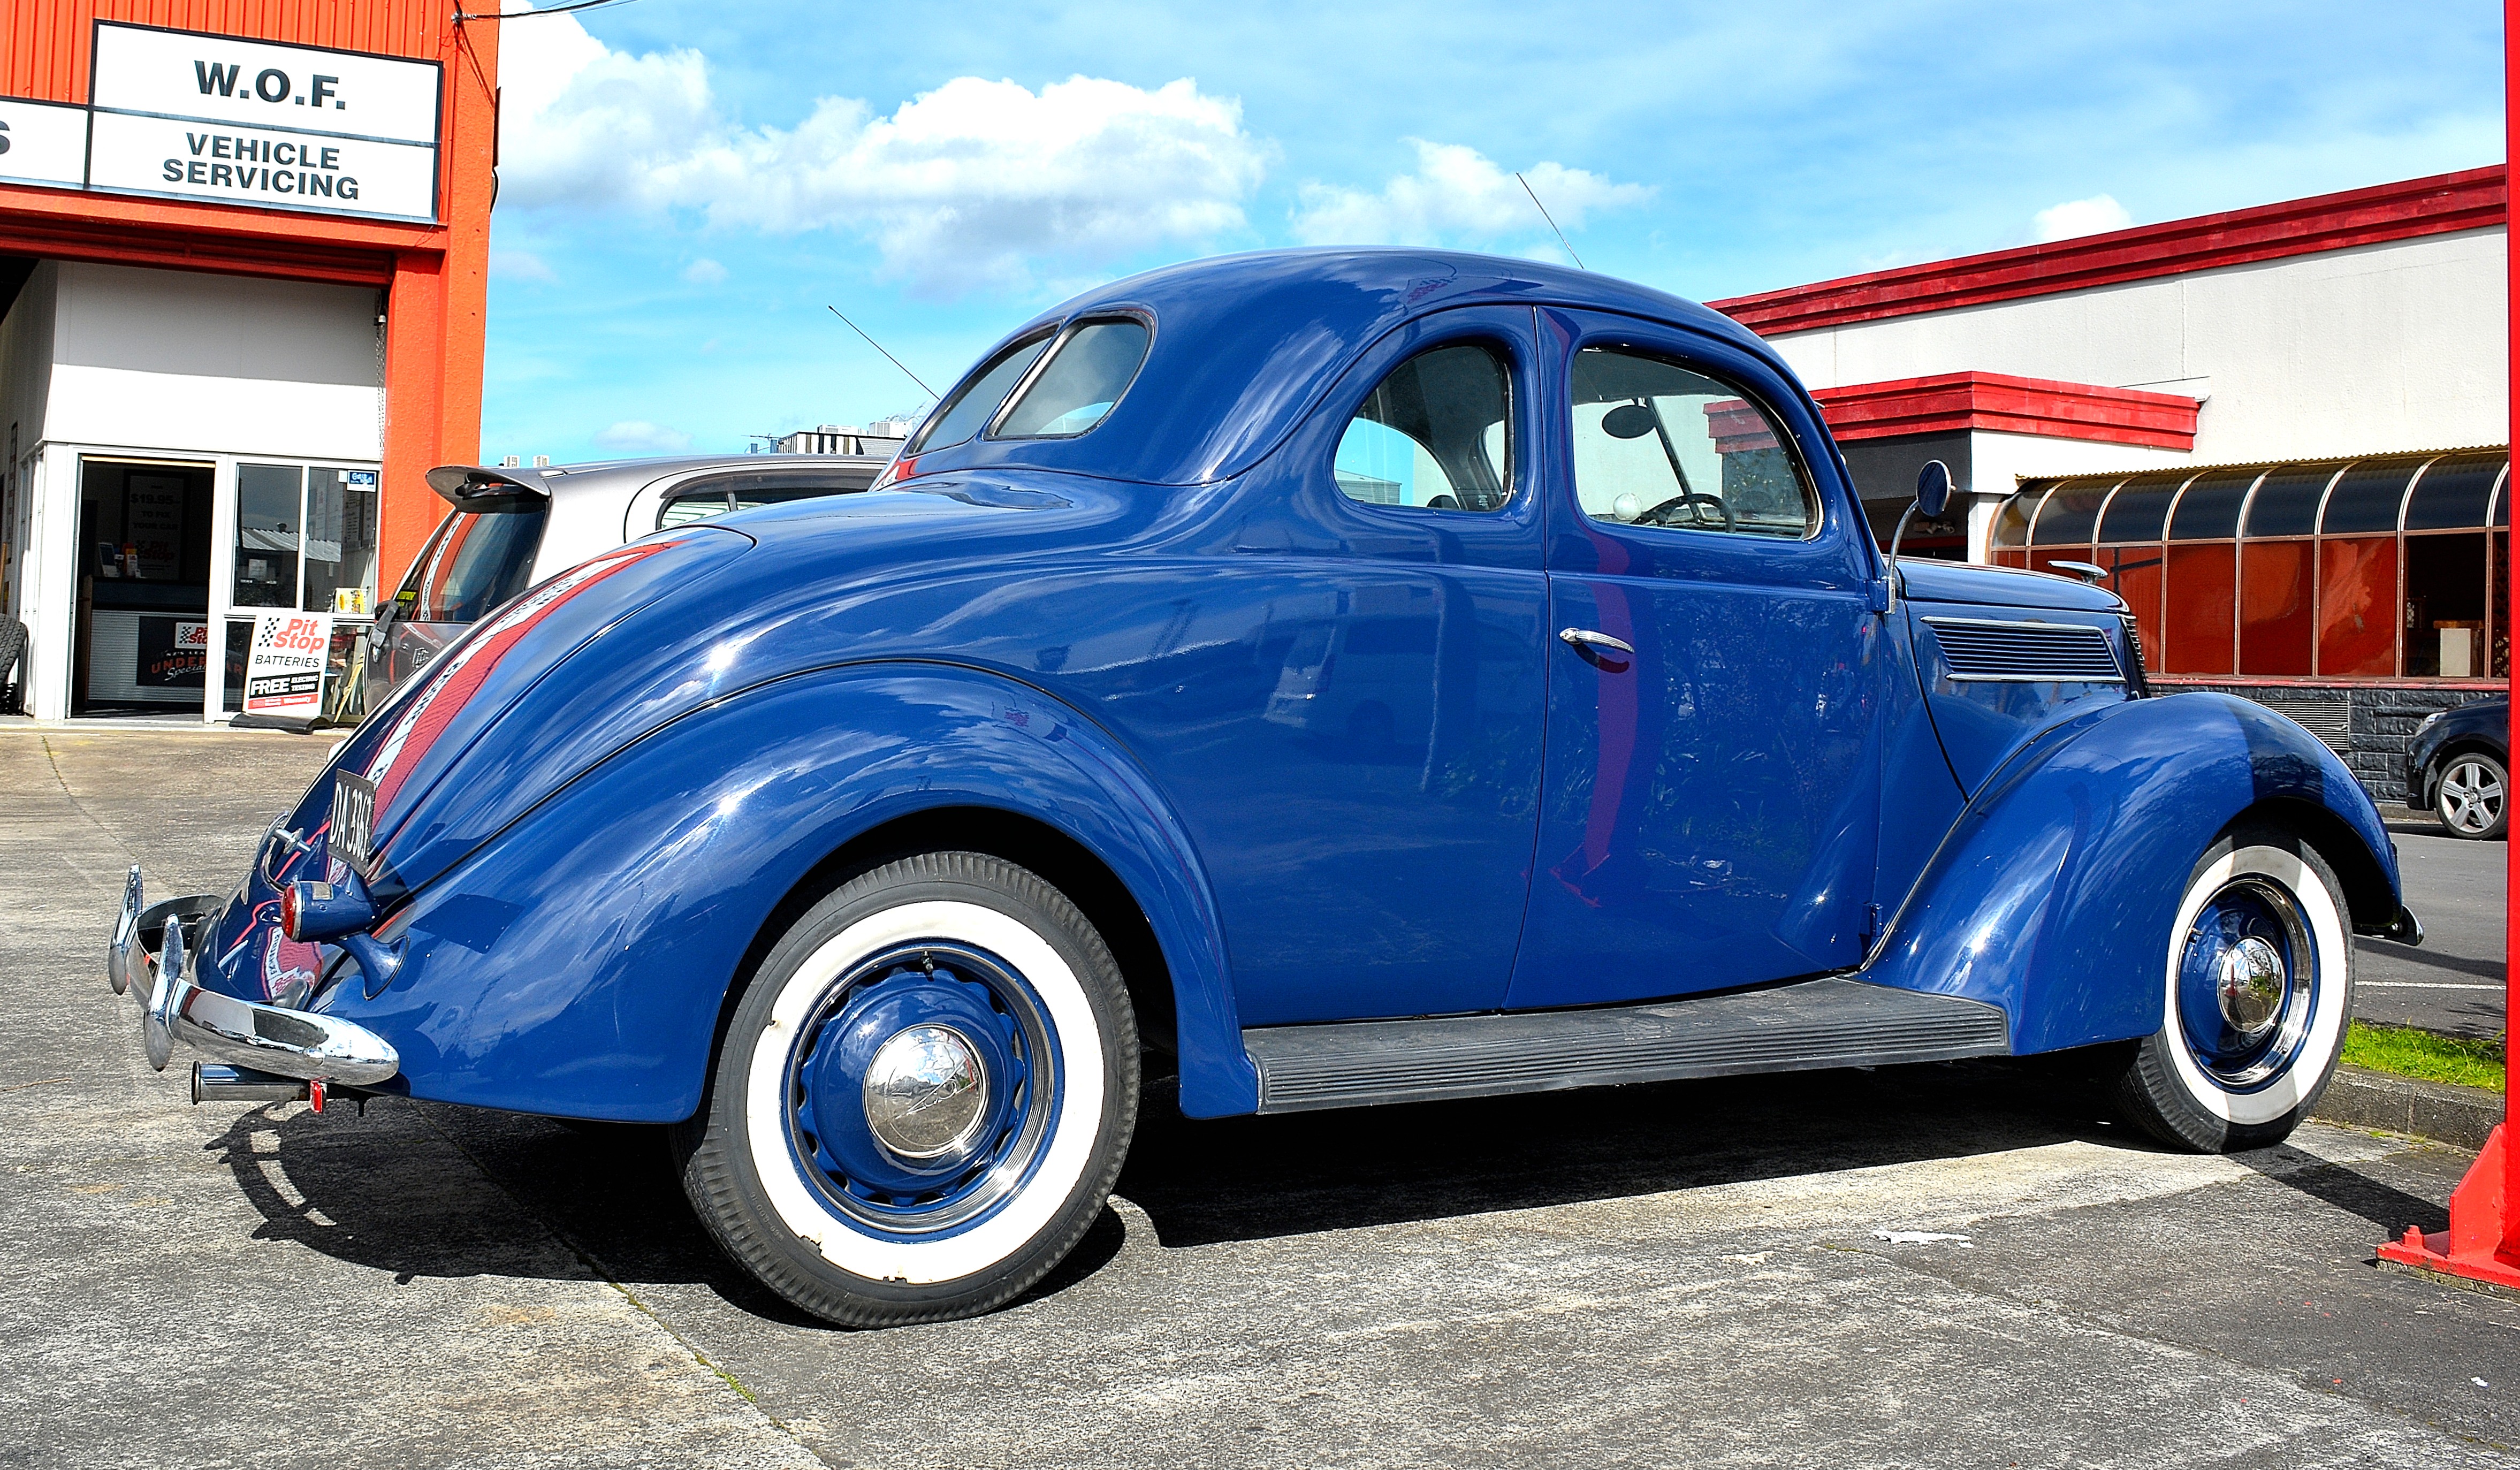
(878, 346)
(1553, 224)
(520, 15)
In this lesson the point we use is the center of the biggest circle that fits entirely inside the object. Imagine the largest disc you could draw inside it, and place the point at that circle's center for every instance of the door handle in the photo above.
(1586, 637)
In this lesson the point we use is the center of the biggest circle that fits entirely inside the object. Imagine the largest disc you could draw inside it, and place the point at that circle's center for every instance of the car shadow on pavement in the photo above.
(431, 1190)
(1242, 1179)
(424, 1190)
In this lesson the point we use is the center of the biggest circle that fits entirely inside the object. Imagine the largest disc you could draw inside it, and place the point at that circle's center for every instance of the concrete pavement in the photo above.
(1679, 1275)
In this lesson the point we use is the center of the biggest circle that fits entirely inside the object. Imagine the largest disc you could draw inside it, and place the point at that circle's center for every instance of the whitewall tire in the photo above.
(2256, 987)
(923, 1097)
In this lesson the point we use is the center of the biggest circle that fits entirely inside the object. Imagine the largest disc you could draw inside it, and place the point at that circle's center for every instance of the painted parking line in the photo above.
(2423, 985)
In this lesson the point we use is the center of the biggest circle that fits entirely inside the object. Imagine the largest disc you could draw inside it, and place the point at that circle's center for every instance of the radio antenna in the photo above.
(878, 346)
(1552, 223)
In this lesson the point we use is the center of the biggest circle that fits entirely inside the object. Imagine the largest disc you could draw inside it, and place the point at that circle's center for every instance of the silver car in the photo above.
(511, 527)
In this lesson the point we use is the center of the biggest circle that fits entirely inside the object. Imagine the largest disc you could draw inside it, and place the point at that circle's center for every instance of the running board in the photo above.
(1792, 1028)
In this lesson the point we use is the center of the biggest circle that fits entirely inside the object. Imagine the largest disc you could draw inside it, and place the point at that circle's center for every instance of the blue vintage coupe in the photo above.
(1325, 678)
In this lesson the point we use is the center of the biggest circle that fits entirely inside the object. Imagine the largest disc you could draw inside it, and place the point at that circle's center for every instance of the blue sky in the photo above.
(685, 185)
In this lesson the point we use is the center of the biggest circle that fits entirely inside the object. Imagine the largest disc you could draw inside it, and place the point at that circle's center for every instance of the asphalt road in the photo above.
(1687, 1274)
(2455, 982)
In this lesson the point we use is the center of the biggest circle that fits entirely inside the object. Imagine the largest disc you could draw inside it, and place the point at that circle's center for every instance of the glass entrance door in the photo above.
(305, 540)
(141, 623)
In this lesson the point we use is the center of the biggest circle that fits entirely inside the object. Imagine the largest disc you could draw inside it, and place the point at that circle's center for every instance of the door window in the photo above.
(1657, 444)
(744, 492)
(1437, 434)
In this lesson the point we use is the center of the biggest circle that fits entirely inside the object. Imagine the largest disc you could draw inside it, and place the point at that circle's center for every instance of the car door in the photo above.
(1709, 813)
(1345, 700)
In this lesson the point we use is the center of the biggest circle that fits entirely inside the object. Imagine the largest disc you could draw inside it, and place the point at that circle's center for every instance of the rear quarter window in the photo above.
(1092, 365)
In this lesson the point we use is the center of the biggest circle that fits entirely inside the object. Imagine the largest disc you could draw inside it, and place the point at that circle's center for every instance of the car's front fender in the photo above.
(575, 963)
(2054, 894)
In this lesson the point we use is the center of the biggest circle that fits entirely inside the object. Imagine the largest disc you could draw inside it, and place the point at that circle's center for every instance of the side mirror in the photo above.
(1933, 489)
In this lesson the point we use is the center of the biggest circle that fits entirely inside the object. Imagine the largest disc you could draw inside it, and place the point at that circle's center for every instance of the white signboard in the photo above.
(283, 670)
(226, 121)
(42, 143)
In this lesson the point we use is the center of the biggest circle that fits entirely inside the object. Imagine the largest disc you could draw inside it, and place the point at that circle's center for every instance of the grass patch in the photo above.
(2424, 1055)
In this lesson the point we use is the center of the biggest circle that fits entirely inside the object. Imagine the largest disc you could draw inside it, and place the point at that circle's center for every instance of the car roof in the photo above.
(615, 480)
(1244, 343)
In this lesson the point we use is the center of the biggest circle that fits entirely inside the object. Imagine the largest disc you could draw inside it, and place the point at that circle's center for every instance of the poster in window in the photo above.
(173, 653)
(153, 524)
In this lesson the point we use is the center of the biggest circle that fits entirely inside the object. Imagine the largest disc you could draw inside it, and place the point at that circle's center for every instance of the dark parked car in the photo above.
(511, 527)
(2460, 766)
(1313, 679)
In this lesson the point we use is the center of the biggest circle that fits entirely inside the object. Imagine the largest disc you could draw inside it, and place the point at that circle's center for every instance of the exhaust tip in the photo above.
(217, 1082)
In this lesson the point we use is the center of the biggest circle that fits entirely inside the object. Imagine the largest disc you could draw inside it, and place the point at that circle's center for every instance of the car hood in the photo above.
(2002, 587)
(614, 648)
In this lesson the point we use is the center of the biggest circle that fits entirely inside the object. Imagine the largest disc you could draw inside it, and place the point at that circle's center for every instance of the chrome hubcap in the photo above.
(2471, 798)
(2252, 986)
(921, 1088)
(2247, 983)
(926, 1092)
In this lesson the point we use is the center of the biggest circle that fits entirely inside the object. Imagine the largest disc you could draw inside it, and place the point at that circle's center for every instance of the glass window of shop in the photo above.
(305, 540)
(2373, 568)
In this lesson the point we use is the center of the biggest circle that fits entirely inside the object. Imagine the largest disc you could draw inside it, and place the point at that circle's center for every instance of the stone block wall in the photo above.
(2368, 724)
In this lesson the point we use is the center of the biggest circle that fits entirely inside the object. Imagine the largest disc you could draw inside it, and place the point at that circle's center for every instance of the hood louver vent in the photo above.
(1989, 650)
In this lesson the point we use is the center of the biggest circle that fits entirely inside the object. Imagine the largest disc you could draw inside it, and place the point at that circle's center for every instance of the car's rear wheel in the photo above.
(2473, 796)
(2258, 984)
(923, 1097)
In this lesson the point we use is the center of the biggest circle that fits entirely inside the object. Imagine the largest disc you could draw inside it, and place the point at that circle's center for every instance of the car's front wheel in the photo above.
(923, 1097)
(2472, 796)
(2258, 983)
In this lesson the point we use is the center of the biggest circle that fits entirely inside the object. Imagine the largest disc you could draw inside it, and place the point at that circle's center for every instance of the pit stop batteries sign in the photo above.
(284, 671)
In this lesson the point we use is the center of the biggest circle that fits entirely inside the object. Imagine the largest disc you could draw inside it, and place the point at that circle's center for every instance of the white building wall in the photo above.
(2399, 345)
(208, 364)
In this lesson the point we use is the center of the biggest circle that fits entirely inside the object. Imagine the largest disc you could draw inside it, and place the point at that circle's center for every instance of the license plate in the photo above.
(354, 818)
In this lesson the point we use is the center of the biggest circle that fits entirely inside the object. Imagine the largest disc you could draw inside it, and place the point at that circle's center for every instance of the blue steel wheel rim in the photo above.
(2248, 984)
(928, 985)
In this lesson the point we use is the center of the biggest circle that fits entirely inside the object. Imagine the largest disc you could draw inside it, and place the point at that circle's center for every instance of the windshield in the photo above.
(479, 560)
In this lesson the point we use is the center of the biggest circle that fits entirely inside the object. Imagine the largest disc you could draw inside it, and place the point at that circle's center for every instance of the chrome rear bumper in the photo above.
(244, 1033)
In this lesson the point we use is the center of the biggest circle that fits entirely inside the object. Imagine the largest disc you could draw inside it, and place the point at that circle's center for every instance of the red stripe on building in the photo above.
(2476, 199)
(1992, 402)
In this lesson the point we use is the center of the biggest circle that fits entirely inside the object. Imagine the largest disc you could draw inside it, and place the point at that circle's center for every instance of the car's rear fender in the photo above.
(576, 963)
(2054, 894)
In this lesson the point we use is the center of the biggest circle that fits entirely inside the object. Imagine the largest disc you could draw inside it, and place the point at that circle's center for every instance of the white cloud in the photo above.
(583, 125)
(976, 183)
(521, 265)
(639, 436)
(704, 272)
(1458, 194)
(2096, 216)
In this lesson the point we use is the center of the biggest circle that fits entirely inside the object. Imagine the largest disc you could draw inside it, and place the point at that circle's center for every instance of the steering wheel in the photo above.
(1688, 501)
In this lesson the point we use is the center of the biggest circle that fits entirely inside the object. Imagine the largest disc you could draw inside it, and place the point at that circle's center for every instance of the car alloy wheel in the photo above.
(2470, 799)
(923, 1097)
(2258, 983)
